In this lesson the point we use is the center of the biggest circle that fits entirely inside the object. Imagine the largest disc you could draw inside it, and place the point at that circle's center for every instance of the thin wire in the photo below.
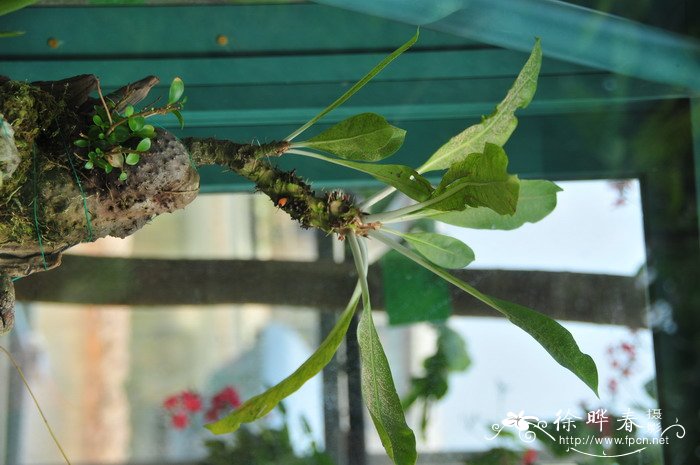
(36, 403)
(82, 193)
(36, 210)
(88, 219)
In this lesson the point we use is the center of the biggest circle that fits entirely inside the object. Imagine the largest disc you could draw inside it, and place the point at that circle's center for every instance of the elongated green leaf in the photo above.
(403, 178)
(444, 251)
(8, 34)
(177, 88)
(536, 200)
(357, 86)
(498, 126)
(363, 137)
(260, 405)
(381, 397)
(179, 117)
(378, 388)
(555, 339)
(482, 180)
(8, 6)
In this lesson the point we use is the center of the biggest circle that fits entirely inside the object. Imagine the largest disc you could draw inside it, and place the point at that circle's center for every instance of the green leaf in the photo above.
(363, 137)
(146, 131)
(89, 165)
(128, 111)
(381, 397)
(97, 120)
(123, 176)
(8, 34)
(536, 200)
(378, 388)
(121, 134)
(482, 180)
(179, 117)
(144, 145)
(102, 163)
(132, 158)
(177, 88)
(101, 112)
(403, 178)
(8, 6)
(260, 405)
(555, 339)
(357, 86)
(444, 251)
(80, 143)
(497, 127)
(94, 132)
(136, 123)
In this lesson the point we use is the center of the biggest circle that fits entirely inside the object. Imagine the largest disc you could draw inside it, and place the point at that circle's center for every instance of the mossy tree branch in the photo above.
(333, 212)
(50, 204)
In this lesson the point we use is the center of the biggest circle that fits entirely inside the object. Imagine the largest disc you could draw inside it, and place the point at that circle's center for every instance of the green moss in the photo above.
(42, 125)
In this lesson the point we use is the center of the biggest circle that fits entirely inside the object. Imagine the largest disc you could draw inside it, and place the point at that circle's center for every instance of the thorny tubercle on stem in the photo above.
(333, 212)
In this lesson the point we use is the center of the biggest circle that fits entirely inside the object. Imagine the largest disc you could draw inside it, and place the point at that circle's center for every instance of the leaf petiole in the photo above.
(358, 85)
(396, 216)
(378, 197)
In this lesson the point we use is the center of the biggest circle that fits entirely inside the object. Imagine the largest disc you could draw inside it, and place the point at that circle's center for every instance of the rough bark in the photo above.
(48, 203)
(331, 212)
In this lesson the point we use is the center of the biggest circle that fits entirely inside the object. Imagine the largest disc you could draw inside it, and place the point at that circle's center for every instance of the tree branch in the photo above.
(333, 212)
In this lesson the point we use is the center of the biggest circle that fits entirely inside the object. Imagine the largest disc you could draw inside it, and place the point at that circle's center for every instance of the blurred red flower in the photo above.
(171, 402)
(185, 404)
(529, 457)
(179, 420)
(191, 401)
